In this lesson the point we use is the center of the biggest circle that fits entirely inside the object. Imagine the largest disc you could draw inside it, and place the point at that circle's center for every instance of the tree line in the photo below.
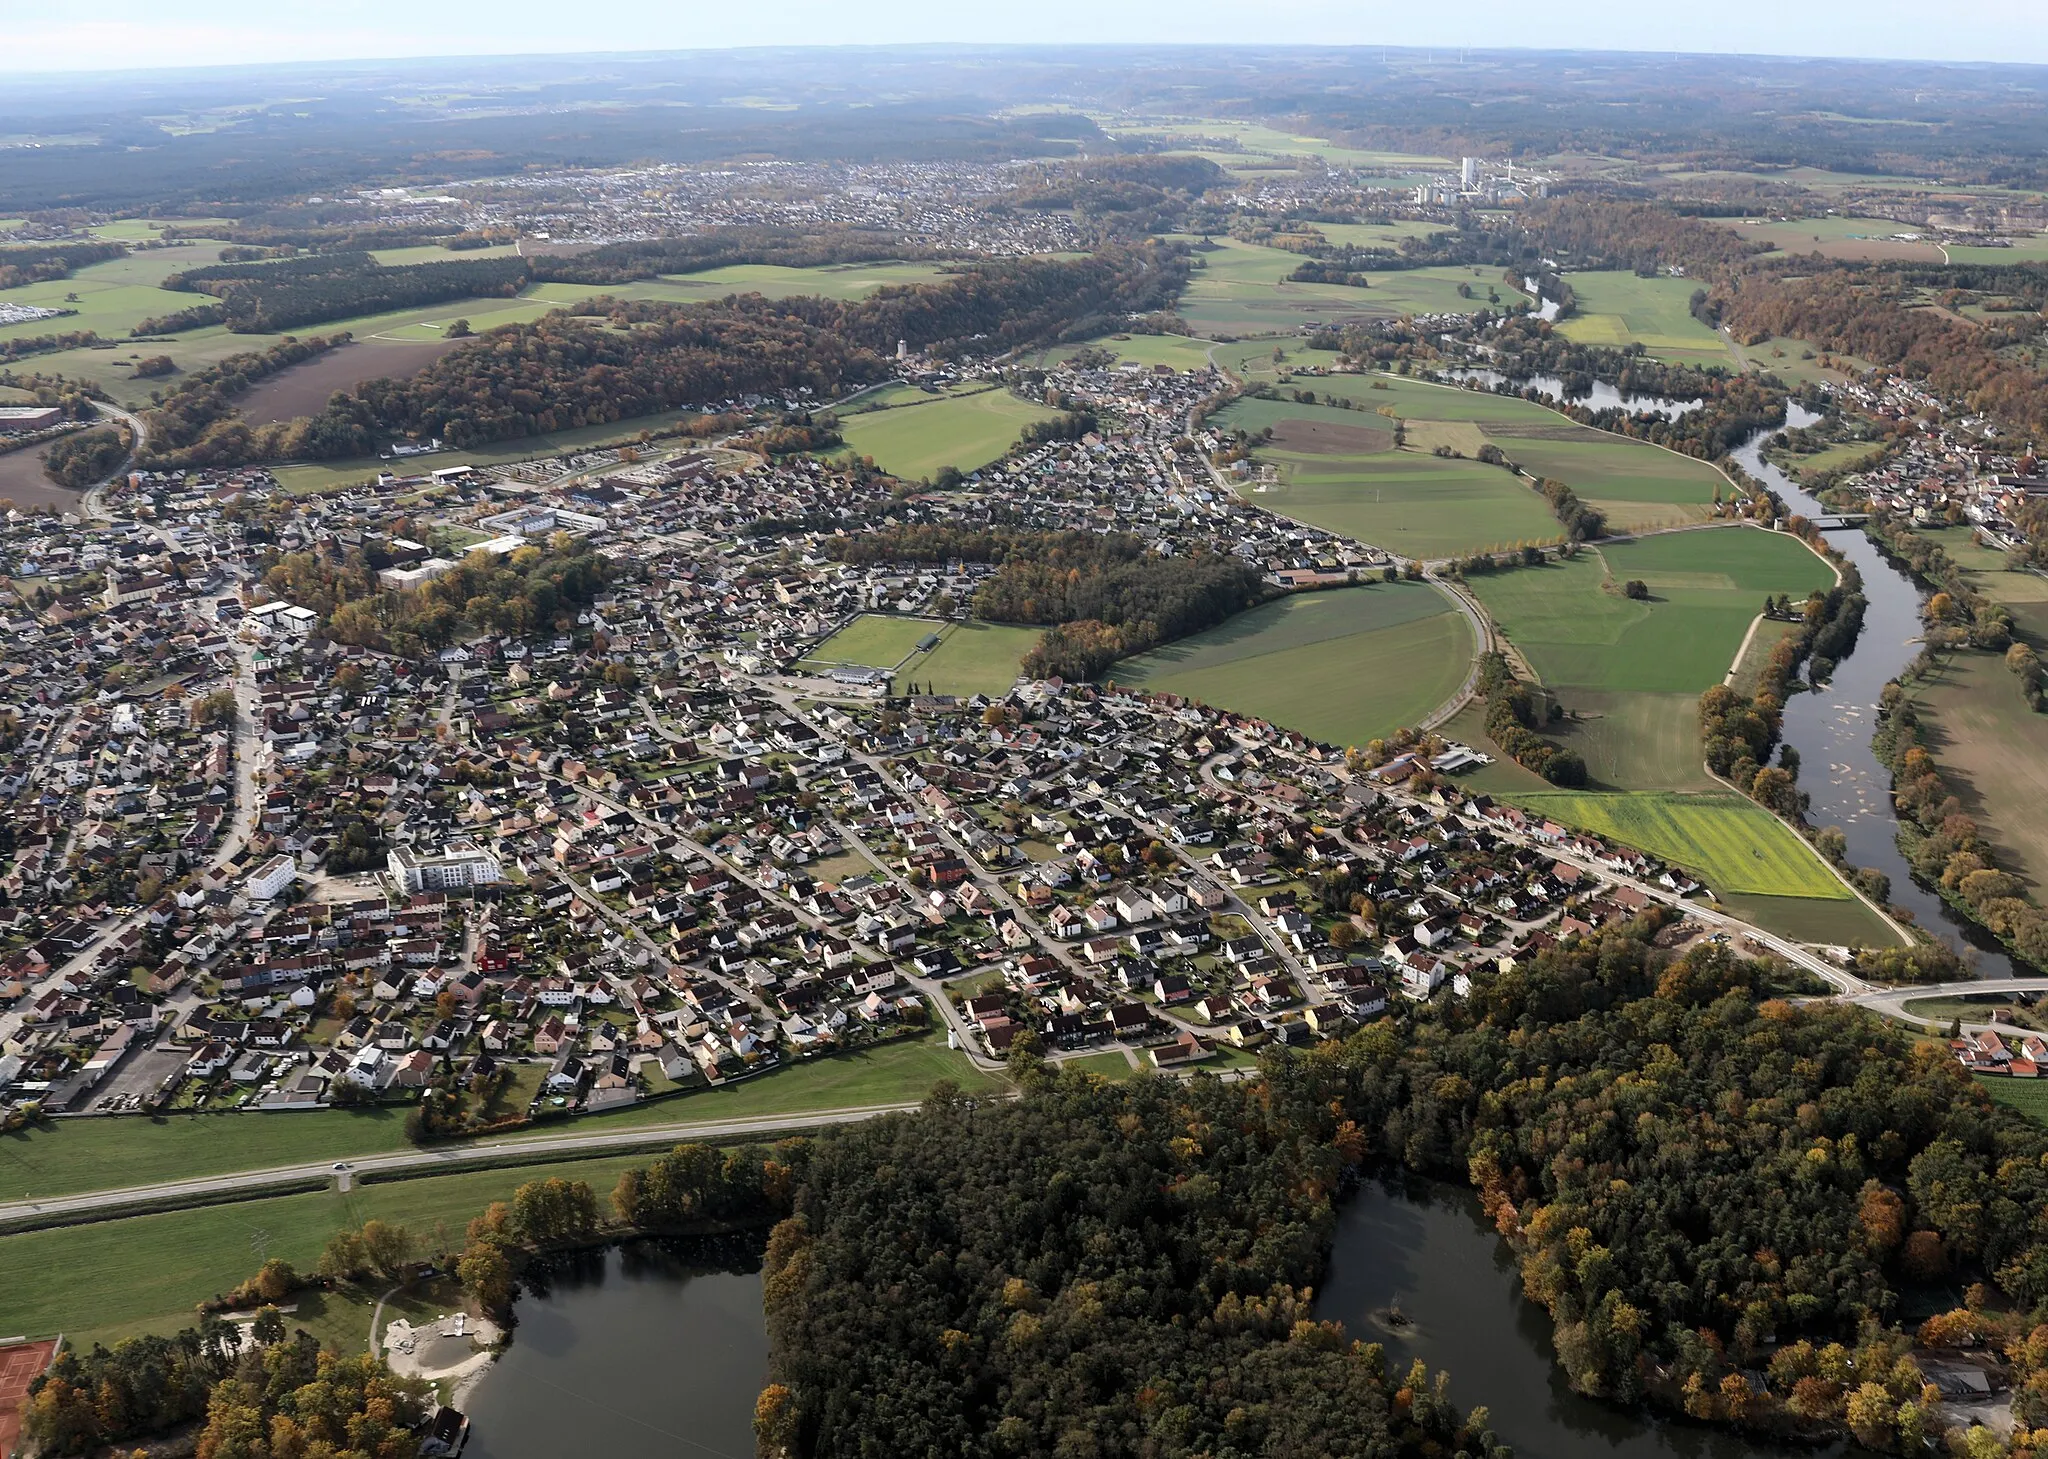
(1516, 714)
(269, 1398)
(1101, 597)
(196, 423)
(39, 263)
(85, 457)
(271, 296)
(609, 360)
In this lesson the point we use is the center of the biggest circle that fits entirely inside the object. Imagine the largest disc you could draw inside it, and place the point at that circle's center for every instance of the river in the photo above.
(1427, 1251)
(1597, 393)
(1831, 726)
(647, 1349)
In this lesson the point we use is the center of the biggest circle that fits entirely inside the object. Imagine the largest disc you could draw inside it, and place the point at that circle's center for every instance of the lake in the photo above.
(652, 1348)
(1427, 1250)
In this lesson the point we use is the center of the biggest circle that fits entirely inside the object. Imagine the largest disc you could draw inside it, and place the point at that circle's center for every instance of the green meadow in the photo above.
(1242, 288)
(1579, 632)
(1730, 842)
(1344, 666)
(1617, 308)
(966, 432)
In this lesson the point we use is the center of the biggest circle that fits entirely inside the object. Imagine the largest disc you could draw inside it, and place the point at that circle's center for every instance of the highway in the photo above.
(241, 1185)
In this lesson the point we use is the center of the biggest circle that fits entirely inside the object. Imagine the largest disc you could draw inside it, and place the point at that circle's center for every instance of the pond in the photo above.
(1426, 1252)
(652, 1348)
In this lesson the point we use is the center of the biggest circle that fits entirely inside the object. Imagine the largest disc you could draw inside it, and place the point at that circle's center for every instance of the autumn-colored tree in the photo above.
(486, 1275)
(1923, 1257)
(1882, 1216)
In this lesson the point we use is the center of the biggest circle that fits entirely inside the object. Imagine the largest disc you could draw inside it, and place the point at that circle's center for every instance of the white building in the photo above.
(460, 863)
(275, 875)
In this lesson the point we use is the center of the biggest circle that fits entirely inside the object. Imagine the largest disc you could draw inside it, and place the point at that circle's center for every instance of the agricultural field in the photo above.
(2032, 248)
(435, 253)
(1175, 351)
(2028, 1096)
(1578, 631)
(1988, 745)
(1841, 456)
(832, 281)
(972, 658)
(1639, 486)
(1617, 308)
(966, 432)
(1630, 672)
(22, 481)
(874, 641)
(1257, 147)
(1338, 470)
(1344, 666)
(1242, 289)
(1728, 841)
(1983, 736)
(1873, 239)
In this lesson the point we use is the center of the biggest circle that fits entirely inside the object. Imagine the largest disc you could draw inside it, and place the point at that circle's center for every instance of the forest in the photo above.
(529, 591)
(609, 360)
(1867, 313)
(1516, 714)
(83, 458)
(1102, 597)
(37, 263)
(270, 1395)
(1607, 233)
(196, 424)
(647, 258)
(1739, 732)
(269, 297)
(1721, 1198)
(1096, 1269)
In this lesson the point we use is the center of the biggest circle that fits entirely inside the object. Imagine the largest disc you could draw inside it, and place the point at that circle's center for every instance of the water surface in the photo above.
(637, 1351)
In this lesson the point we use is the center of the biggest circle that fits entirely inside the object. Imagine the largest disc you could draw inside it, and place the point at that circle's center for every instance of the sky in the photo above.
(129, 34)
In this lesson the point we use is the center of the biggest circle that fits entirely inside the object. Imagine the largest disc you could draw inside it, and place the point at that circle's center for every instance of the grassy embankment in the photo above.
(99, 1154)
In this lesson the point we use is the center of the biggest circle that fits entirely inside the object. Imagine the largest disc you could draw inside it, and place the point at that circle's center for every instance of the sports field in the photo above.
(874, 641)
(1706, 587)
(1617, 308)
(972, 658)
(1344, 666)
(962, 431)
(1731, 843)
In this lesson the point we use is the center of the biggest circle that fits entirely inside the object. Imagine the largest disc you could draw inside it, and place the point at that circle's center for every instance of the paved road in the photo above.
(244, 1184)
(1892, 1001)
(93, 504)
